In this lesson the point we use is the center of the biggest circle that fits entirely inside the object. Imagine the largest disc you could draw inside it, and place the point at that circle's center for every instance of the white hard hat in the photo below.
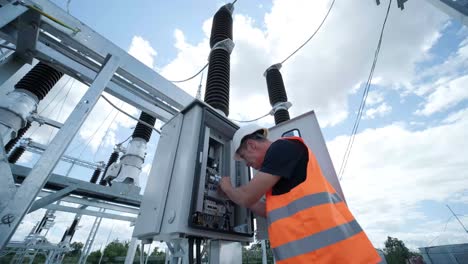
(244, 131)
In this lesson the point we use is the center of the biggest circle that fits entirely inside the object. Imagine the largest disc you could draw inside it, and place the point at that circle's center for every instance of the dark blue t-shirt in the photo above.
(287, 159)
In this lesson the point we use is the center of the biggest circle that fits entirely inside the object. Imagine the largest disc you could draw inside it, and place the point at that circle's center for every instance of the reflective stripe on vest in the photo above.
(312, 224)
(302, 204)
(317, 241)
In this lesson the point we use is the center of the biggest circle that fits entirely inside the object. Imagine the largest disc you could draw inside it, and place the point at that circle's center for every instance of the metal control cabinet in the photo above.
(181, 197)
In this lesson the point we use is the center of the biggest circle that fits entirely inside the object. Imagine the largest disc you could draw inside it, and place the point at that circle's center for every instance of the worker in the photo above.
(308, 222)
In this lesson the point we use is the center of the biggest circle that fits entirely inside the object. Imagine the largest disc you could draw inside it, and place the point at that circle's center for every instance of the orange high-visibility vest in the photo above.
(312, 224)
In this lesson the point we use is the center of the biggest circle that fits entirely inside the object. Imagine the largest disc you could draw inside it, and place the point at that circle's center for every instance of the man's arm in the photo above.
(259, 208)
(249, 194)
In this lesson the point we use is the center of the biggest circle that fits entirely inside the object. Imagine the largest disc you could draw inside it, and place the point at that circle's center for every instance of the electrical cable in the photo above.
(47, 106)
(445, 228)
(55, 96)
(248, 121)
(129, 115)
(92, 136)
(59, 112)
(125, 140)
(56, 20)
(63, 103)
(105, 134)
(190, 78)
(323, 21)
(363, 100)
(7, 47)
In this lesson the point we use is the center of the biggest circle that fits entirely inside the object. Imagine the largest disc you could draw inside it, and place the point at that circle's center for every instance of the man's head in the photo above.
(251, 144)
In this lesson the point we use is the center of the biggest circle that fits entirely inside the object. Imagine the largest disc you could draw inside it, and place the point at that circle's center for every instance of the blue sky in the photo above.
(409, 157)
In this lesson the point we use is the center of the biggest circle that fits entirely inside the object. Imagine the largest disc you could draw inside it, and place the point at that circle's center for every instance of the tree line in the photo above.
(395, 252)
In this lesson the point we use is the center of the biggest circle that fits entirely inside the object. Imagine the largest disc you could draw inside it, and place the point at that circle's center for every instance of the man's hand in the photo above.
(248, 194)
(225, 184)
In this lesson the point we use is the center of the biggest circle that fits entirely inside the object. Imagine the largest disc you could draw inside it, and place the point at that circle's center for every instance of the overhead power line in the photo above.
(50, 103)
(190, 78)
(364, 98)
(129, 115)
(445, 228)
(90, 138)
(60, 112)
(253, 120)
(105, 134)
(315, 32)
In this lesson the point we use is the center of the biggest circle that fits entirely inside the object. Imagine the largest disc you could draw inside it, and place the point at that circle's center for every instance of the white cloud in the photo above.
(104, 118)
(377, 80)
(456, 116)
(446, 96)
(323, 73)
(391, 170)
(380, 111)
(437, 76)
(374, 97)
(189, 60)
(393, 161)
(465, 41)
(141, 49)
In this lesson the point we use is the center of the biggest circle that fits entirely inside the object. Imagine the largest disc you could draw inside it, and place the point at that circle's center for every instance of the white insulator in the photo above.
(15, 108)
(131, 162)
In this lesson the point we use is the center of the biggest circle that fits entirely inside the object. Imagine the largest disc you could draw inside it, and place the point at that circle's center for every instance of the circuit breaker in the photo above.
(181, 197)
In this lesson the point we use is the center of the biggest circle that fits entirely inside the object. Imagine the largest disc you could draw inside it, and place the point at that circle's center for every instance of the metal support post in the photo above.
(225, 252)
(45, 120)
(264, 253)
(89, 242)
(10, 12)
(7, 188)
(49, 199)
(9, 66)
(32, 185)
(142, 253)
(131, 251)
(63, 208)
(458, 219)
(28, 33)
(37, 148)
(149, 254)
(178, 249)
(453, 8)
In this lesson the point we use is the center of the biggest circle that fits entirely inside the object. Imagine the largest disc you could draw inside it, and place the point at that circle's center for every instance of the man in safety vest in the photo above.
(308, 222)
